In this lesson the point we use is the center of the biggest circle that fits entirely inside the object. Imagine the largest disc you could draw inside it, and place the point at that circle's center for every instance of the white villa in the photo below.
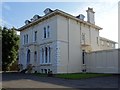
(55, 42)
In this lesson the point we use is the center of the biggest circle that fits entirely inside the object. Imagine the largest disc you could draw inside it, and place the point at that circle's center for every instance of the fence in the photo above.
(105, 61)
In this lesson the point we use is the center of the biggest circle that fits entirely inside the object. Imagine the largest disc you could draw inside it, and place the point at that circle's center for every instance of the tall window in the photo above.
(35, 56)
(49, 53)
(26, 38)
(42, 55)
(48, 33)
(45, 32)
(45, 55)
(35, 36)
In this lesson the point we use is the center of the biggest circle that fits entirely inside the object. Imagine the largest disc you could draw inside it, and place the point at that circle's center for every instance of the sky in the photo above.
(106, 13)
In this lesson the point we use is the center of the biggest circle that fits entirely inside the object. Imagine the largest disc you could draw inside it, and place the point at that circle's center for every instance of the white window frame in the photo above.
(45, 59)
(46, 32)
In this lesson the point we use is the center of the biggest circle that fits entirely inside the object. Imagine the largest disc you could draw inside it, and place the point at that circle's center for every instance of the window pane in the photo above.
(48, 33)
(46, 54)
(44, 32)
(35, 38)
(42, 55)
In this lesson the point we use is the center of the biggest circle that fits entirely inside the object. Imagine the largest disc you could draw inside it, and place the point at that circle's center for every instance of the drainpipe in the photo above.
(68, 43)
(81, 41)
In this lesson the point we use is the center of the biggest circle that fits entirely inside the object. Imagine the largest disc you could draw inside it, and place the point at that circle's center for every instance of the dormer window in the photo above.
(47, 11)
(36, 17)
(27, 22)
(32, 19)
(81, 17)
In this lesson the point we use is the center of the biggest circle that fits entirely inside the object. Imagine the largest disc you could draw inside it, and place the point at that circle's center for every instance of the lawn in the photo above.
(81, 75)
(76, 75)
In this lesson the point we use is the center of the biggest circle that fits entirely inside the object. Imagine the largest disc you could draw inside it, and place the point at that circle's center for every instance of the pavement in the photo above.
(18, 80)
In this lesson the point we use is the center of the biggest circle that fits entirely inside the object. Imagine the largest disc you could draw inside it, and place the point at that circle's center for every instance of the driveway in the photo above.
(18, 80)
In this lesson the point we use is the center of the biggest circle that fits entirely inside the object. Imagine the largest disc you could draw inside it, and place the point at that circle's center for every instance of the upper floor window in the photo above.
(35, 36)
(25, 40)
(46, 32)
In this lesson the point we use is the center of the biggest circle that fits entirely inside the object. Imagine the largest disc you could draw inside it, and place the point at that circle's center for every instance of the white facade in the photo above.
(55, 42)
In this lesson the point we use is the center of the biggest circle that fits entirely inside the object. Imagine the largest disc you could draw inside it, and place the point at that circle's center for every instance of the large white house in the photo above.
(55, 42)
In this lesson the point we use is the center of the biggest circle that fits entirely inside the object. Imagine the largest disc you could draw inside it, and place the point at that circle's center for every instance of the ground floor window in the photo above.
(45, 55)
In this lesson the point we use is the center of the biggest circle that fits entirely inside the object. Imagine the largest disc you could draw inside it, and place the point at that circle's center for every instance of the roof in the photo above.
(57, 12)
(105, 39)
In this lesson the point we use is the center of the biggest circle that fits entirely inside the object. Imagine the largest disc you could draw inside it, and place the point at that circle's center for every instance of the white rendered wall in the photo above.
(105, 61)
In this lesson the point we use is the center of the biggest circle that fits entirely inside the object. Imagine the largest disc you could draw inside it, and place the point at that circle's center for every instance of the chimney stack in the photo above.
(90, 15)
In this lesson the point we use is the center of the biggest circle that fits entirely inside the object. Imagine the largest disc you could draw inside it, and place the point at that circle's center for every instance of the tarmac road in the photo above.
(18, 80)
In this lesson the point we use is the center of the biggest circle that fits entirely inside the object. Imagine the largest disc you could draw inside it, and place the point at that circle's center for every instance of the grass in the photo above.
(81, 75)
(76, 75)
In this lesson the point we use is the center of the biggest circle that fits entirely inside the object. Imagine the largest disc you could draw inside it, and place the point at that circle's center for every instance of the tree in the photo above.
(10, 46)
